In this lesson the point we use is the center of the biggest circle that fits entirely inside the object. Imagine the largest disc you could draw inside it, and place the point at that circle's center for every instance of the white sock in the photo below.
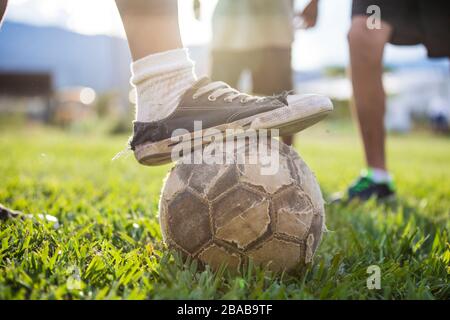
(160, 81)
(379, 175)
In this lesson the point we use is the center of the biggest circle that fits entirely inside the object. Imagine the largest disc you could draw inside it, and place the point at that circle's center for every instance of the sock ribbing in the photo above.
(378, 175)
(160, 81)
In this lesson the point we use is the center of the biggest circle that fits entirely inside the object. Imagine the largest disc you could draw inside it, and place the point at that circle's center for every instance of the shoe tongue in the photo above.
(283, 97)
(366, 173)
(201, 83)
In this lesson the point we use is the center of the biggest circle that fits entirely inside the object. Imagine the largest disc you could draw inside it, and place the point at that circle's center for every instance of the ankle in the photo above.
(160, 81)
(377, 175)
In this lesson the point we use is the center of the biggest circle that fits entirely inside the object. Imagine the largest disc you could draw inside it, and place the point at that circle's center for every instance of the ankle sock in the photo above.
(378, 175)
(160, 81)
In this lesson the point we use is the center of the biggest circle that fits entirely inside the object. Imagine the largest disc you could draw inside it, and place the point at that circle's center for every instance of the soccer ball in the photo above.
(226, 214)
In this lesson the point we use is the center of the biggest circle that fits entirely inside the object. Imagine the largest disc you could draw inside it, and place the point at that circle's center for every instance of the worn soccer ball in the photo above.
(230, 213)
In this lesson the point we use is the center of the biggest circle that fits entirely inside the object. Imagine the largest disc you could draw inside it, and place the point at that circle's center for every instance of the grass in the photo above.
(108, 244)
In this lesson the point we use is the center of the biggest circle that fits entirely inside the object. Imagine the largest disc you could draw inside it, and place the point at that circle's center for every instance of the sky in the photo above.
(324, 45)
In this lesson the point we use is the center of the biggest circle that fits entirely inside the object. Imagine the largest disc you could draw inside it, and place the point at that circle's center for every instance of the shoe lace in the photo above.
(361, 184)
(218, 89)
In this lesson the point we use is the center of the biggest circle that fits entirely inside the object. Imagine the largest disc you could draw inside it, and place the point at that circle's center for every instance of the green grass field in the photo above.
(108, 245)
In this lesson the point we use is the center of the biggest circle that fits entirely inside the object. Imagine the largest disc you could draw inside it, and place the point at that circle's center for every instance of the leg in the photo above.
(162, 70)
(227, 66)
(168, 95)
(151, 26)
(366, 55)
(3, 4)
(275, 62)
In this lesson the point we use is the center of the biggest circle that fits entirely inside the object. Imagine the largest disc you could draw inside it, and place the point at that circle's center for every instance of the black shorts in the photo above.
(270, 68)
(424, 22)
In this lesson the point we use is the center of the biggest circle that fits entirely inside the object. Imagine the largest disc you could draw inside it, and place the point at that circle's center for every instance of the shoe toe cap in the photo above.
(316, 103)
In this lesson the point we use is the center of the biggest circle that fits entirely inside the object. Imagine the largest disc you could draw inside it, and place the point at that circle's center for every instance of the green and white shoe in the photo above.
(365, 188)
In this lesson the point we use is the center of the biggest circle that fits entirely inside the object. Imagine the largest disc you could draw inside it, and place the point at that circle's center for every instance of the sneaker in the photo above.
(364, 188)
(6, 213)
(217, 105)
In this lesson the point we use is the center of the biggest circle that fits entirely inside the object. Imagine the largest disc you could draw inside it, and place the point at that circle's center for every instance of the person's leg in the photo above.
(275, 62)
(366, 67)
(3, 5)
(151, 26)
(366, 62)
(227, 66)
(162, 69)
(170, 99)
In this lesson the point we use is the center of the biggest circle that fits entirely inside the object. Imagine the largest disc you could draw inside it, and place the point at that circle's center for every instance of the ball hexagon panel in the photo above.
(172, 184)
(241, 216)
(233, 203)
(246, 227)
(288, 152)
(316, 229)
(277, 254)
(224, 182)
(294, 213)
(184, 171)
(308, 182)
(215, 256)
(188, 221)
(204, 177)
(253, 175)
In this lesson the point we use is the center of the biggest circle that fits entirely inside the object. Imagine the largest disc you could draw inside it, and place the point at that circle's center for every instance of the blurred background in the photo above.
(66, 63)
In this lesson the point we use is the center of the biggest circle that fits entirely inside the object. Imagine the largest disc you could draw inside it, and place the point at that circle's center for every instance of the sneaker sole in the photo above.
(288, 120)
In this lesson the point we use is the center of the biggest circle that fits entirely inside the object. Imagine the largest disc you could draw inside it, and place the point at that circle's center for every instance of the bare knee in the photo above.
(367, 45)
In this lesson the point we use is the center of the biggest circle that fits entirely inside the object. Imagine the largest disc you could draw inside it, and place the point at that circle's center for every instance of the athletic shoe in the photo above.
(217, 105)
(364, 188)
(6, 213)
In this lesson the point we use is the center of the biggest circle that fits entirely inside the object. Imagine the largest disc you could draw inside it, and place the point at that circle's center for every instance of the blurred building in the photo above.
(41, 62)
(30, 85)
(72, 59)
